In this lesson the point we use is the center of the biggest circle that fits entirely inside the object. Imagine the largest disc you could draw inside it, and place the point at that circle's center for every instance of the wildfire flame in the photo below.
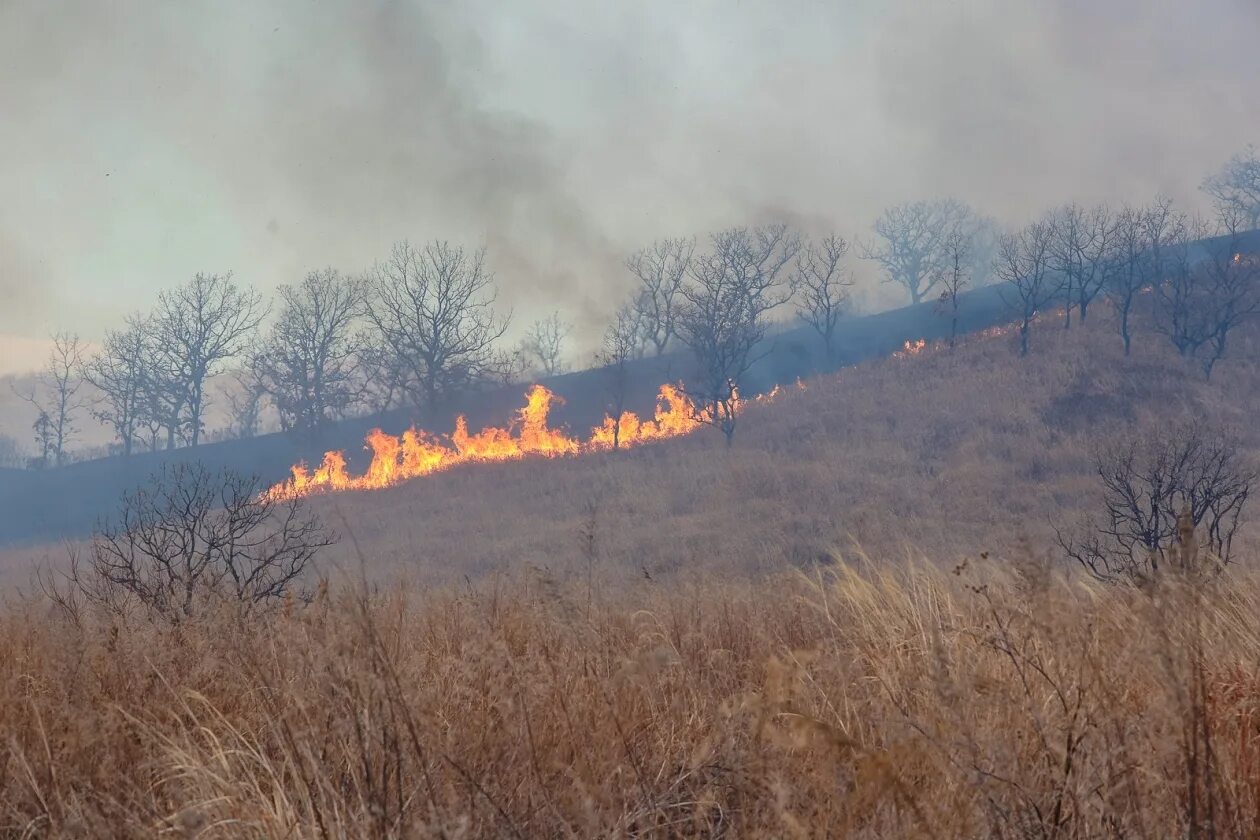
(416, 453)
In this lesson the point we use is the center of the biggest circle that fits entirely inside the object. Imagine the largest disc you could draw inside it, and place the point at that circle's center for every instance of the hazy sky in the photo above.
(145, 141)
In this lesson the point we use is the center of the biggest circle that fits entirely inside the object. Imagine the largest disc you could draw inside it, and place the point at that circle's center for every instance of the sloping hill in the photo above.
(51, 504)
(67, 502)
(948, 454)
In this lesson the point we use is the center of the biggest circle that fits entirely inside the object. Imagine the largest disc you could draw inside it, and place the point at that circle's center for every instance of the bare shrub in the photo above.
(195, 535)
(1171, 500)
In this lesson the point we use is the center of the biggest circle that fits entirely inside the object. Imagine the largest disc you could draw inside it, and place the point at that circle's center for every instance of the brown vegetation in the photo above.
(947, 454)
(897, 701)
(556, 667)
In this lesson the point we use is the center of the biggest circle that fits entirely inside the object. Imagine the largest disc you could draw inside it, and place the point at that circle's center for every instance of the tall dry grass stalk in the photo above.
(1006, 701)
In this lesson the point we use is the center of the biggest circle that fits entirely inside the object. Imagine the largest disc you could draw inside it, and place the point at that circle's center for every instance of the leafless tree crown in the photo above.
(957, 253)
(1211, 286)
(909, 243)
(118, 372)
(1023, 266)
(723, 318)
(1142, 239)
(197, 328)
(543, 344)
(56, 398)
(661, 271)
(433, 308)
(194, 536)
(309, 363)
(1081, 245)
(622, 343)
(822, 288)
(1236, 187)
(1172, 500)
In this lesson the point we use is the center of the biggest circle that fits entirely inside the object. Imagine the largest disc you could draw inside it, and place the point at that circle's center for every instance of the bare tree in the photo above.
(1236, 187)
(434, 310)
(543, 345)
(723, 318)
(955, 277)
(1137, 258)
(623, 342)
(822, 286)
(118, 372)
(661, 271)
(308, 364)
(246, 402)
(910, 243)
(1181, 310)
(197, 328)
(1166, 499)
(1023, 264)
(1211, 285)
(1232, 278)
(1082, 243)
(383, 373)
(194, 536)
(55, 396)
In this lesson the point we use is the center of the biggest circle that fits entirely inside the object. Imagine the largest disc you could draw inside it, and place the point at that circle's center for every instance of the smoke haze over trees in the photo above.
(563, 137)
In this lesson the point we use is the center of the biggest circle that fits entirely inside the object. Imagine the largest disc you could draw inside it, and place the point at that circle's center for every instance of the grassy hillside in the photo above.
(945, 454)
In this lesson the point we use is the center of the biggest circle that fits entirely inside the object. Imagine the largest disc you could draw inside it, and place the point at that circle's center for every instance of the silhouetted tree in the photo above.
(1080, 249)
(910, 243)
(246, 402)
(433, 309)
(1136, 262)
(195, 536)
(196, 329)
(118, 372)
(1232, 280)
(729, 293)
(955, 277)
(622, 343)
(55, 396)
(309, 363)
(1166, 498)
(543, 345)
(1236, 188)
(1211, 285)
(661, 271)
(822, 288)
(1023, 264)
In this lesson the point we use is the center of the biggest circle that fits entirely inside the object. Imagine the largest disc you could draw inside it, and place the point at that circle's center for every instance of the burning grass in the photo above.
(896, 701)
(417, 453)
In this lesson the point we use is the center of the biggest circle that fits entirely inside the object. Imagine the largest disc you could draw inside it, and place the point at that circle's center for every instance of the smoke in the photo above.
(147, 141)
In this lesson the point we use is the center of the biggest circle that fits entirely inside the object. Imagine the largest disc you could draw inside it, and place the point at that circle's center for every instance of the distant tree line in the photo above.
(423, 326)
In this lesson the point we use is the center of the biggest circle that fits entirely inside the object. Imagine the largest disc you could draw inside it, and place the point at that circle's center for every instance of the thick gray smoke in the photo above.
(144, 141)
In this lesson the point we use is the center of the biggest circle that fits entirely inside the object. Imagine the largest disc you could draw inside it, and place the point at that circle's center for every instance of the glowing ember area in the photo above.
(416, 453)
(923, 347)
(911, 348)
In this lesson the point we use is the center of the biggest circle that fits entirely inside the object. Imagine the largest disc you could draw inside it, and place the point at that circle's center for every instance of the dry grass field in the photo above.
(686, 640)
(942, 455)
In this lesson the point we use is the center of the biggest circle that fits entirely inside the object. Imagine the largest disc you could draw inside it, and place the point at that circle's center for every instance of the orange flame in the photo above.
(417, 453)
